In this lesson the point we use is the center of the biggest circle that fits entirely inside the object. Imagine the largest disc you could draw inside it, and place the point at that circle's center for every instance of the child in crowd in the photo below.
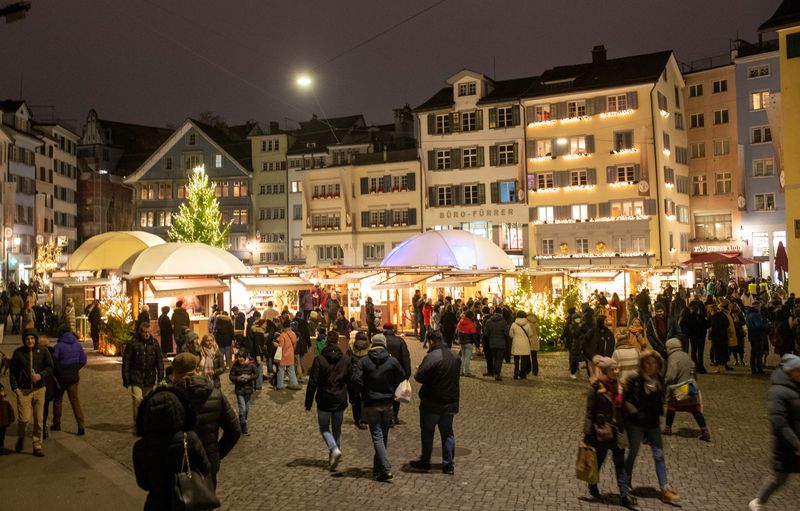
(6, 418)
(321, 341)
(243, 375)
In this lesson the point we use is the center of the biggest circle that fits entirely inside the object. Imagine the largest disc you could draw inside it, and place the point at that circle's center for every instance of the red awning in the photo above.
(718, 257)
(781, 258)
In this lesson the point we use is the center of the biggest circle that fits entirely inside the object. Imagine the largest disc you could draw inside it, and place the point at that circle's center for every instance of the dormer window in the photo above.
(311, 145)
(467, 88)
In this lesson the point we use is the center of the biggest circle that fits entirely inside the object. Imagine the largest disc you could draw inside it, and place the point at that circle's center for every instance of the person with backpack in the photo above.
(68, 359)
(223, 333)
(358, 348)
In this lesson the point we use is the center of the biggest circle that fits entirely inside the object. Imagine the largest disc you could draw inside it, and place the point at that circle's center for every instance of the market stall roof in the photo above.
(402, 280)
(275, 283)
(718, 257)
(454, 248)
(72, 282)
(183, 260)
(460, 280)
(108, 251)
(596, 275)
(181, 287)
(349, 278)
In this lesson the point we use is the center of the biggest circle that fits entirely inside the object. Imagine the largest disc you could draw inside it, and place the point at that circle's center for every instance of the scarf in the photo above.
(207, 362)
(651, 384)
(613, 392)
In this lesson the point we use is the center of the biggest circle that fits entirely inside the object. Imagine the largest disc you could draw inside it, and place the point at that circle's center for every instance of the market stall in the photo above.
(257, 290)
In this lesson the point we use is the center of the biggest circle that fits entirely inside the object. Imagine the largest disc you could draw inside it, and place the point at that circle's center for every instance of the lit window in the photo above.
(759, 100)
(576, 108)
(582, 245)
(508, 192)
(763, 167)
(580, 211)
(544, 214)
(577, 145)
(617, 103)
(541, 113)
(218, 161)
(765, 202)
(543, 148)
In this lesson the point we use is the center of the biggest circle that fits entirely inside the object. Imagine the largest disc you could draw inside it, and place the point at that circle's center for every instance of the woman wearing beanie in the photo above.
(784, 415)
(682, 392)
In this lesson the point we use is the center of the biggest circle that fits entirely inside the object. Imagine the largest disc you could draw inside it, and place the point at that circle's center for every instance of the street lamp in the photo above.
(304, 81)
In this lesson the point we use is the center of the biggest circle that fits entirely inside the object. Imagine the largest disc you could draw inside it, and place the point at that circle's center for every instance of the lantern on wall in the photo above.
(600, 246)
(564, 247)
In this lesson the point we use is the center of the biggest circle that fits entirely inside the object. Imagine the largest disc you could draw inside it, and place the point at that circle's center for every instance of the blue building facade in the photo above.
(764, 211)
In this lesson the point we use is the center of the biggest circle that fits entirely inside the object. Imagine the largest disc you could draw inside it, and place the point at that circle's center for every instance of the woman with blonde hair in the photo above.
(211, 362)
(636, 335)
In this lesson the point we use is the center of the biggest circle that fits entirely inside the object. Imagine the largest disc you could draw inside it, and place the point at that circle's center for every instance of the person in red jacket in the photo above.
(427, 311)
(467, 335)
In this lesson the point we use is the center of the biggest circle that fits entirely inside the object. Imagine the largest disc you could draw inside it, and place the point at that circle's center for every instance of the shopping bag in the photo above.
(403, 392)
(191, 491)
(586, 464)
(278, 355)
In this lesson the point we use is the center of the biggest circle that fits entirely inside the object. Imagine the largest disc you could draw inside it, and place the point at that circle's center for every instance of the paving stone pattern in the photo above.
(516, 446)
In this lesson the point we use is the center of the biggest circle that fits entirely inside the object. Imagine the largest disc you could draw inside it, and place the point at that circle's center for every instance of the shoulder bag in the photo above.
(191, 491)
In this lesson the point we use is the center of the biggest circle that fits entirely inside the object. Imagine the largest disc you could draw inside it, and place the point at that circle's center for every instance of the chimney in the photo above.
(599, 54)
(274, 127)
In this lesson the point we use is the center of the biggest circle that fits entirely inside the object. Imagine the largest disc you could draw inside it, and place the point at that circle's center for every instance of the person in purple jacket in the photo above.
(68, 359)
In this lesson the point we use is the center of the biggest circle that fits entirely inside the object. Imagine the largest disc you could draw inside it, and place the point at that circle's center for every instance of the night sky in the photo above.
(160, 61)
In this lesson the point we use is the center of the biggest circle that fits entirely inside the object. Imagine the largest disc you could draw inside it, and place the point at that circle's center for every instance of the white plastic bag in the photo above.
(278, 355)
(403, 392)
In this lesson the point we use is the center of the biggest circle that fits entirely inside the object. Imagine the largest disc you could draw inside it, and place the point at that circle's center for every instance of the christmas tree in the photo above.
(47, 258)
(199, 219)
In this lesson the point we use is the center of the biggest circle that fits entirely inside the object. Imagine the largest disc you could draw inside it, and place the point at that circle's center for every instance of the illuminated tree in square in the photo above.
(199, 219)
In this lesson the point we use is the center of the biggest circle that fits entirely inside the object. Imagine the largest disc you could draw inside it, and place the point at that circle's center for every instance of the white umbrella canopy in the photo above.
(454, 248)
(183, 260)
(108, 251)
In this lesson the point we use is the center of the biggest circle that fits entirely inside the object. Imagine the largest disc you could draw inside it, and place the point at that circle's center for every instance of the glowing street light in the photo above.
(304, 81)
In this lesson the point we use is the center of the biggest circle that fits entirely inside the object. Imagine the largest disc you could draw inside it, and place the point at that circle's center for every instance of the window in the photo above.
(576, 108)
(684, 241)
(683, 214)
(721, 116)
(147, 192)
(181, 191)
(697, 150)
(618, 243)
(221, 189)
(758, 71)
(469, 157)
(469, 121)
(442, 159)
(218, 161)
(541, 113)
(718, 86)
(377, 218)
(710, 227)
(722, 183)
(330, 253)
(578, 177)
(577, 145)
(511, 236)
(623, 140)
(263, 146)
(505, 154)
(297, 212)
(399, 183)
(548, 247)
(297, 249)
(329, 220)
(191, 139)
(792, 46)
(164, 218)
(145, 218)
(400, 217)
(296, 186)
(678, 121)
(759, 100)
(373, 251)
(239, 189)
(508, 192)
(580, 211)
(681, 155)
(264, 214)
(627, 208)
(722, 146)
(677, 97)
(505, 117)
(545, 180)
(763, 167)
(167, 163)
(191, 161)
(765, 202)
(665, 136)
(760, 135)
(699, 185)
(542, 148)
(467, 89)
(444, 195)
(696, 121)
(662, 102)
(240, 216)
(696, 90)
(471, 195)
(164, 191)
(616, 103)
(625, 174)
(544, 214)
(582, 245)
(442, 124)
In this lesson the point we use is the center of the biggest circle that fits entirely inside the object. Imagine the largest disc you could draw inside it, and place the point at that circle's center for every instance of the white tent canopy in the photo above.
(183, 260)
(454, 249)
(275, 283)
(108, 251)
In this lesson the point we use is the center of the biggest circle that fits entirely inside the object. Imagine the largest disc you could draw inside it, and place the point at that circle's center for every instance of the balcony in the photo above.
(324, 196)
(317, 228)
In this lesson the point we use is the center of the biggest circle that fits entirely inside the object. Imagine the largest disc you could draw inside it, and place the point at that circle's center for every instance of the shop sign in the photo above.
(700, 249)
(477, 213)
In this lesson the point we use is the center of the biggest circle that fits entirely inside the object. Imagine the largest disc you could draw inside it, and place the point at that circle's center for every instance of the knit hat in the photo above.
(674, 343)
(184, 363)
(790, 362)
(660, 306)
(605, 363)
(379, 339)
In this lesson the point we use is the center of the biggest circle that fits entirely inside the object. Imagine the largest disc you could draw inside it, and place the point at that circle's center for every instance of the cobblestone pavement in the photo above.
(516, 444)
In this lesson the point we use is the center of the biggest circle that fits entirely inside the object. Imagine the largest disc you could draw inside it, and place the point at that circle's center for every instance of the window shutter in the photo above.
(592, 210)
(591, 176)
(364, 186)
(532, 214)
(455, 158)
(411, 181)
(561, 178)
(365, 219)
(412, 216)
(387, 217)
(481, 193)
(530, 148)
(455, 122)
(590, 143)
(496, 234)
(431, 160)
(533, 181)
(636, 172)
(604, 209)
(650, 207)
(495, 192)
(431, 124)
(561, 212)
(458, 195)
(558, 110)
(480, 156)
(515, 115)
(493, 155)
(611, 174)
(516, 153)
(479, 119)
(433, 198)
(633, 99)
(599, 104)
(492, 118)
(558, 150)
(529, 114)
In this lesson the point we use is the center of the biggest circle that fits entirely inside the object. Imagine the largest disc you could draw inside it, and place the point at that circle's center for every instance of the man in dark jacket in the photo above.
(223, 333)
(239, 324)
(142, 365)
(180, 320)
(399, 350)
(214, 412)
(68, 359)
(95, 319)
(757, 328)
(328, 380)
(643, 305)
(165, 331)
(448, 326)
(694, 326)
(660, 328)
(31, 366)
(377, 376)
(438, 373)
(495, 330)
(600, 340)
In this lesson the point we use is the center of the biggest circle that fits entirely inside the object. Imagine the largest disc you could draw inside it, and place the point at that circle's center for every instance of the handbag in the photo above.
(278, 355)
(402, 393)
(586, 464)
(190, 490)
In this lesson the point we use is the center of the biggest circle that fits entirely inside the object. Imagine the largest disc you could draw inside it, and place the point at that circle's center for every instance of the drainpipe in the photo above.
(655, 176)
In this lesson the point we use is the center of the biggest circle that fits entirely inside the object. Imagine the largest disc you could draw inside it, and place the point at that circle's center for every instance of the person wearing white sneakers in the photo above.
(784, 415)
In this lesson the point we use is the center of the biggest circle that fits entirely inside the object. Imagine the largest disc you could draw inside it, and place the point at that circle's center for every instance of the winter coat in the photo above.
(599, 341)
(731, 332)
(533, 333)
(218, 364)
(448, 324)
(165, 330)
(287, 340)
(656, 341)
(243, 377)
(427, 310)
(680, 367)
(213, 413)
(520, 332)
(598, 403)
(158, 455)
(467, 331)
(694, 326)
(180, 319)
(496, 331)
(627, 357)
(142, 363)
(377, 376)
(643, 409)
(439, 375)
(328, 380)
(223, 330)
(757, 326)
(6, 413)
(68, 359)
(15, 304)
(719, 336)
(399, 350)
(783, 405)
(23, 359)
(307, 301)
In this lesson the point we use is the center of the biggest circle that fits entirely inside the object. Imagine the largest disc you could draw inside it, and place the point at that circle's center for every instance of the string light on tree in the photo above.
(199, 219)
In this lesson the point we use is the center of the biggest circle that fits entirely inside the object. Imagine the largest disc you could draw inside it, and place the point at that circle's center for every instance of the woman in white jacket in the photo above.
(521, 345)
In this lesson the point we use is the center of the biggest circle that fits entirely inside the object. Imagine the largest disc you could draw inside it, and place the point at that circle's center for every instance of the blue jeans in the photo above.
(244, 406)
(379, 418)
(466, 357)
(428, 421)
(653, 436)
(417, 323)
(259, 376)
(330, 425)
(618, 456)
(226, 354)
(292, 376)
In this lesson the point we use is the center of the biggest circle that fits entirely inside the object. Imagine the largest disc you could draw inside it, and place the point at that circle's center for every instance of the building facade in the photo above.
(607, 165)
(472, 148)
(270, 197)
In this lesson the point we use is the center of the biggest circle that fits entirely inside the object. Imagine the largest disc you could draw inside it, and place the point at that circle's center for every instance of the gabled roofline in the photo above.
(467, 72)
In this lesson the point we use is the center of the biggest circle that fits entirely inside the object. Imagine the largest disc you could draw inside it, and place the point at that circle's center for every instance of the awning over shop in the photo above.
(183, 260)
(275, 283)
(402, 280)
(595, 275)
(181, 287)
(72, 282)
(716, 258)
(348, 278)
(460, 281)
(108, 251)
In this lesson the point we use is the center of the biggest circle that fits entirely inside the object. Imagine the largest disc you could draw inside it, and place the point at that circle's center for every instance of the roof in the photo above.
(137, 141)
(109, 250)
(455, 249)
(232, 139)
(787, 15)
(506, 90)
(11, 105)
(442, 99)
(321, 133)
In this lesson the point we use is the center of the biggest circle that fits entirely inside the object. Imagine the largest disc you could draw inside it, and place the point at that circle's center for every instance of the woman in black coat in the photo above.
(719, 338)
(784, 415)
(449, 322)
(694, 325)
(164, 421)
